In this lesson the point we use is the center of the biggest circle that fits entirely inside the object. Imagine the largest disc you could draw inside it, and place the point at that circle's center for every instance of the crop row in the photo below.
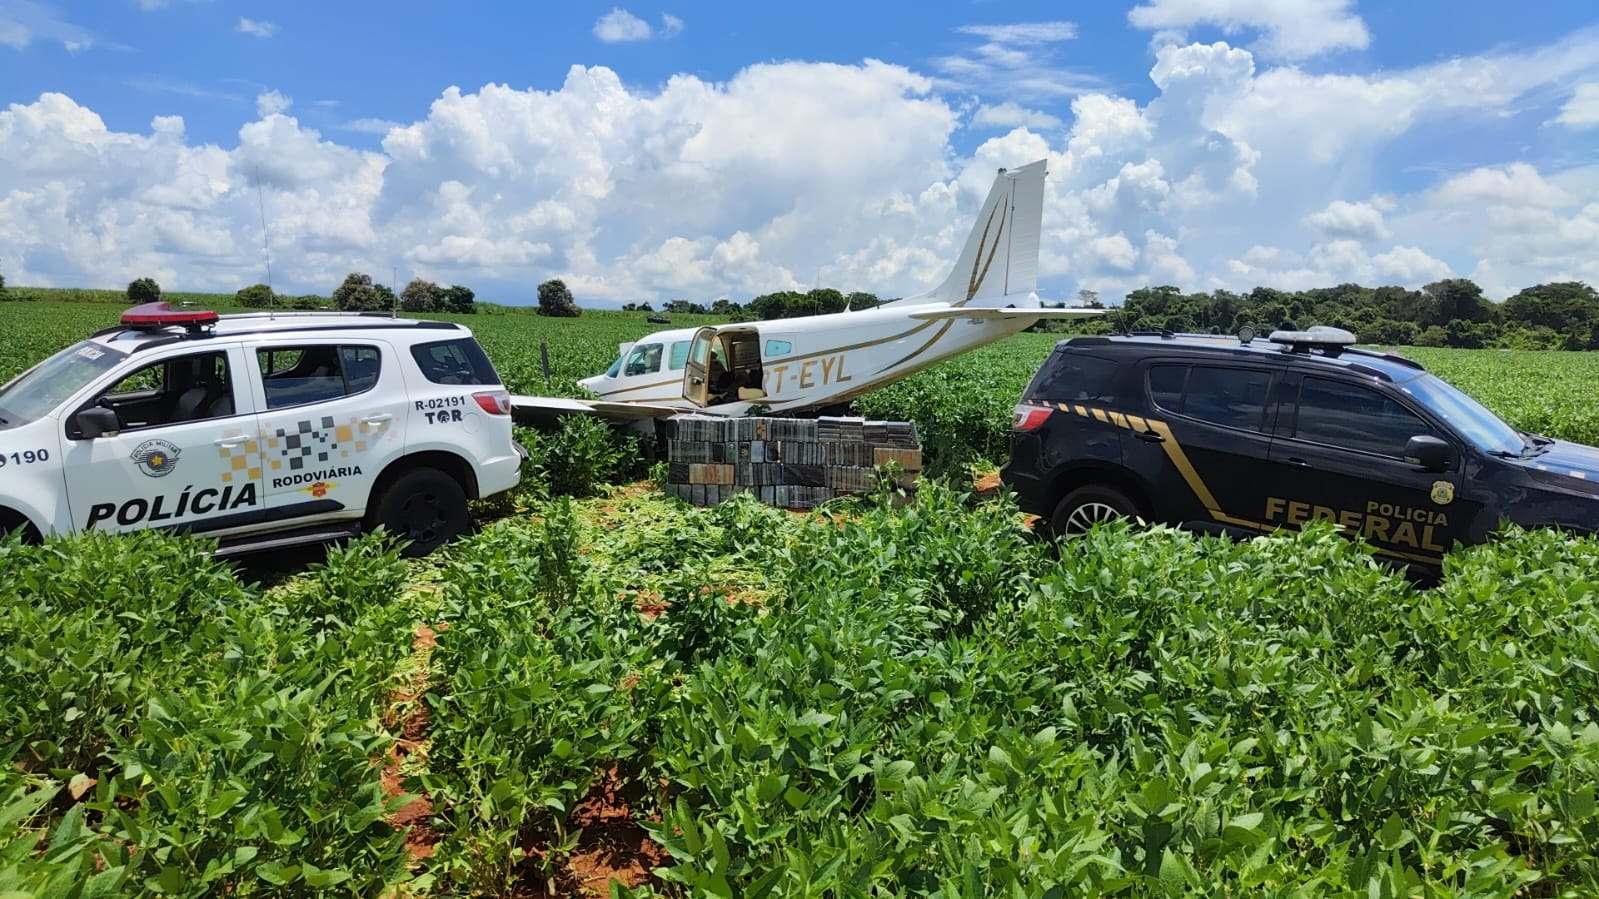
(902, 701)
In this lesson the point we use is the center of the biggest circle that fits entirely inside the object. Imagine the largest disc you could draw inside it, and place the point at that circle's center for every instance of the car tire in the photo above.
(1086, 506)
(424, 507)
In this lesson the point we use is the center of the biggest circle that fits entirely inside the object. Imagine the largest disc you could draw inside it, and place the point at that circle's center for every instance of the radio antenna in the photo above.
(266, 248)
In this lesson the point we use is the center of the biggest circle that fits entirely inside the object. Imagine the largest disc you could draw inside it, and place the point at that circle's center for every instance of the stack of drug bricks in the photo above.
(791, 463)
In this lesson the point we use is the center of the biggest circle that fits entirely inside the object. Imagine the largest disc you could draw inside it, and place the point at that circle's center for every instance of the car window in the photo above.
(300, 375)
(362, 365)
(1231, 397)
(1221, 395)
(196, 387)
(644, 359)
(1073, 377)
(679, 355)
(1349, 416)
(459, 361)
(1166, 386)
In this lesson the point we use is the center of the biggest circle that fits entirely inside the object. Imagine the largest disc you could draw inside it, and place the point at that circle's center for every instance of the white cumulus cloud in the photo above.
(256, 28)
(1582, 110)
(272, 102)
(620, 26)
(1363, 221)
(1010, 115)
(1291, 29)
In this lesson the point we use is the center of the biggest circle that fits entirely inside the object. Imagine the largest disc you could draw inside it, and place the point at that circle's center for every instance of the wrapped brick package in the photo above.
(791, 463)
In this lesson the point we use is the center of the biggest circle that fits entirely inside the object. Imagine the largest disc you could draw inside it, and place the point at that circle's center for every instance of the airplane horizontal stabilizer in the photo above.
(981, 312)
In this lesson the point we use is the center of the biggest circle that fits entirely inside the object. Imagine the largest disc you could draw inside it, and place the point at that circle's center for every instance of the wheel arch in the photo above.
(13, 519)
(1110, 475)
(452, 464)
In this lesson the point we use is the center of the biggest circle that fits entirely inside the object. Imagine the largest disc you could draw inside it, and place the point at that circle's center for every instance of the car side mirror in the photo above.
(1429, 452)
(98, 421)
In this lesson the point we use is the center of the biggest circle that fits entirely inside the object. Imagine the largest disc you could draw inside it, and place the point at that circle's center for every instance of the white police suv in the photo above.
(262, 430)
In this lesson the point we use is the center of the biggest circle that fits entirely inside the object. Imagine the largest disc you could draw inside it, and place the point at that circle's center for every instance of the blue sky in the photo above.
(724, 149)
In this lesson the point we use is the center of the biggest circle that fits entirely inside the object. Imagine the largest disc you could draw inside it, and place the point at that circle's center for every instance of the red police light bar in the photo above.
(162, 315)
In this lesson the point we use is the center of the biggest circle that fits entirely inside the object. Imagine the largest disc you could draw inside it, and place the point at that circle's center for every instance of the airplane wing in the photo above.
(544, 409)
(983, 312)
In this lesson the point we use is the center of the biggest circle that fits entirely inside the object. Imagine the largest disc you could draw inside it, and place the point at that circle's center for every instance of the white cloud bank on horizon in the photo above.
(791, 173)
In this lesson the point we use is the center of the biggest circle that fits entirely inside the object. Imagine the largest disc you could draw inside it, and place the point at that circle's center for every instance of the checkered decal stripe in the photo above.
(307, 443)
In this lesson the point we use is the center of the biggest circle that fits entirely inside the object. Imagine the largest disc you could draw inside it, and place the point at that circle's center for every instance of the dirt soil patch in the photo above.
(409, 717)
(614, 845)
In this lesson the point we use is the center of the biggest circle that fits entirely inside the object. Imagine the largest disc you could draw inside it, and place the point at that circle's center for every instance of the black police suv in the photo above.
(1241, 436)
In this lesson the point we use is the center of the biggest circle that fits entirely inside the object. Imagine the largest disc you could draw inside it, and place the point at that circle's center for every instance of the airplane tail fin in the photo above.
(999, 264)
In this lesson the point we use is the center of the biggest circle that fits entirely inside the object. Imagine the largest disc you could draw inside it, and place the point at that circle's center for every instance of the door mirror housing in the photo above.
(98, 421)
(1429, 452)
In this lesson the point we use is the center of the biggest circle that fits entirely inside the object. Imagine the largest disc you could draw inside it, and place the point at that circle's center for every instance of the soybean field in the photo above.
(606, 692)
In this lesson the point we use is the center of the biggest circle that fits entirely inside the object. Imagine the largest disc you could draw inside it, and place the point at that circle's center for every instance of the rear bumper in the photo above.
(500, 473)
(1023, 475)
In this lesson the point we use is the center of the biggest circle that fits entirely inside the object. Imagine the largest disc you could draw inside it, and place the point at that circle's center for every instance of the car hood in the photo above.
(1566, 464)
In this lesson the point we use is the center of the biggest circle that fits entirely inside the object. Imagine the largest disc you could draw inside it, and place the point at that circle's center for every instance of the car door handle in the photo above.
(232, 442)
(1149, 436)
(1297, 462)
(383, 419)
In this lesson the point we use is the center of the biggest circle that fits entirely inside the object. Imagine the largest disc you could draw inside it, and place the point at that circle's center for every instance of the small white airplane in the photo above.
(797, 365)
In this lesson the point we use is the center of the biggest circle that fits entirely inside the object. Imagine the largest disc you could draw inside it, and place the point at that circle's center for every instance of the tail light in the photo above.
(494, 402)
(1030, 417)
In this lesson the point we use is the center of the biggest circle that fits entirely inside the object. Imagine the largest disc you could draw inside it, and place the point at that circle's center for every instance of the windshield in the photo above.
(615, 367)
(1467, 416)
(38, 392)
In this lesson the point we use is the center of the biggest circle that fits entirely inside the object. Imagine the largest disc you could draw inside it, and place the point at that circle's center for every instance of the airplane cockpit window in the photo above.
(615, 369)
(643, 360)
(679, 356)
(775, 348)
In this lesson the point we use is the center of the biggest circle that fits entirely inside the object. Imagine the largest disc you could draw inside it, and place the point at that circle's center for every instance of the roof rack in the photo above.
(1390, 357)
(1331, 341)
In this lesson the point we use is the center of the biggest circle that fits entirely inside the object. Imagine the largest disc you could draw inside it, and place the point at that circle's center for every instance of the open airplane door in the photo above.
(696, 373)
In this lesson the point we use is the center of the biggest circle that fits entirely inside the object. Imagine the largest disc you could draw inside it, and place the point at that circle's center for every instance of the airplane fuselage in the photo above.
(804, 363)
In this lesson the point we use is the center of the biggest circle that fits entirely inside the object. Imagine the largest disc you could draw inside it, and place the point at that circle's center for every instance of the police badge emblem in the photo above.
(1443, 492)
(156, 458)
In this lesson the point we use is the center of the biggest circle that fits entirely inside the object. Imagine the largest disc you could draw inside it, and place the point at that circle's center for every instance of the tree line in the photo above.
(779, 304)
(1452, 312)
(357, 293)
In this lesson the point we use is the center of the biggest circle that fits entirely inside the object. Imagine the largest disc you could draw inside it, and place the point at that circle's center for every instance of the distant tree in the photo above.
(308, 302)
(421, 296)
(1568, 307)
(1089, 299)
(144, 290)
(684, 307)
(556, 300)
(1432, 336)
(645, 307)
(726, 308)
(256, 296)
(358, 294)
(1454, 298)
(629, 307)
(2, 285)
(387, 301)
(861, 300)
(458, 299)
